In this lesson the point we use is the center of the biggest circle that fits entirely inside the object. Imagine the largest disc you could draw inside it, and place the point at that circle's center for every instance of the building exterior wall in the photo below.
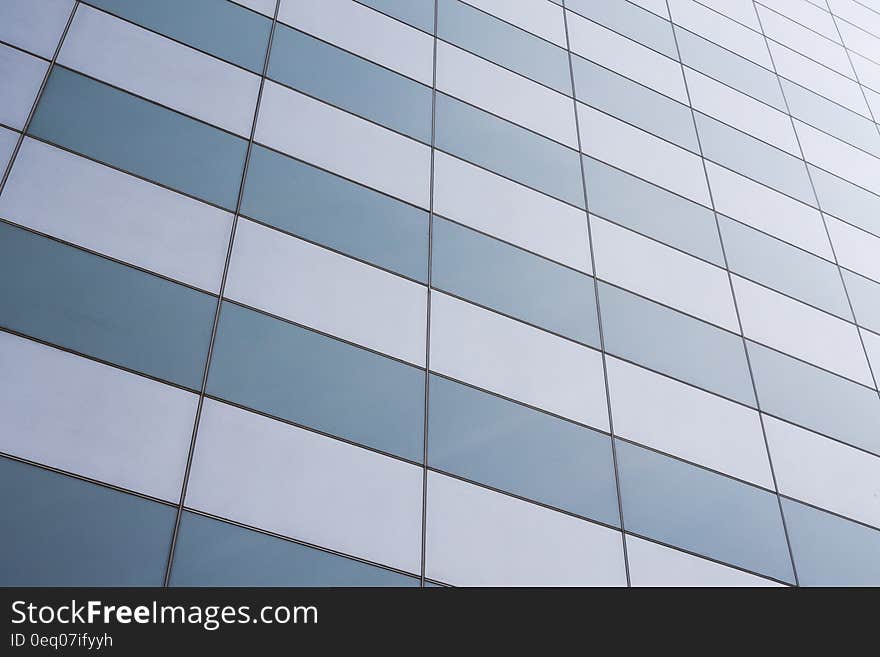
(417, 292)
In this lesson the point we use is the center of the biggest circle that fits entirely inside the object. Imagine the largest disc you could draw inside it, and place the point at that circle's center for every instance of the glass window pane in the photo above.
(223, 29)
(754, 159)
(816, 399)
(214, 553)
(505, 148)
(34, 26)
(334, 212)
(292, 373)
(701, 511)
(504, 44)
(351, 83)
(631, 21)
(293, 482)
(418, 13)
(122, 130)
(496, 353)
(513, 448)
(783, 267)
(831, 117)
(649, 210)
(106, 538)
(675, 344)
(478, 537)
(727, 67)
(829, 550)
(347, 145)
(514, 282)
(643, 107)
(98, 421)
(80, 301)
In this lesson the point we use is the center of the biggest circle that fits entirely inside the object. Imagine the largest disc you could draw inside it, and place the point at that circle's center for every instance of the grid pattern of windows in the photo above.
(463, 292)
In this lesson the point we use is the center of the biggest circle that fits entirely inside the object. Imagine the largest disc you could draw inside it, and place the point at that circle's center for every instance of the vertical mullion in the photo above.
(211, 342)
(428, 307)
(596, 295)
(735, 302)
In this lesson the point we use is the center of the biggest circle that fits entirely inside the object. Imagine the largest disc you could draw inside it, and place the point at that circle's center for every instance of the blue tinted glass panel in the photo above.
(701, 511)
(630, 20)
(141, 137)
(214, 553)
(298, 375)
(514, 282)
(651, 211)
(831, 551)
(505, 148)
(335, 212)
(729, 68)
(754, 159)
(816, 399)
(785, 268)
(354, 84)
(83, 302)
(504, 44)
(418, 13)
(60, 531)
(831, 117)
(673, 343)
(223, 29)
(513, 448)
(635, 104)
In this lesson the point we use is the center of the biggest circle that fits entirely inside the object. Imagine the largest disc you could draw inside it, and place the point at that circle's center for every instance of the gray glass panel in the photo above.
(222, 28)
(138, 136)
(77, 300)
(505, 148)
(418, 13)
(816, 399)
(60, 531)
(754, 159)
(675, 344)
(701, 511)
(330, 210)
(630, 20)
(349, 82)
(512, 281)
(298, 375)
(504, 44)
(832, 118)
(214, 553)
(513, 448)
(865, 296)
(635, 104)
(843, 199)
(729, 68)
(785, 268)
(651, 211)
(831, 551)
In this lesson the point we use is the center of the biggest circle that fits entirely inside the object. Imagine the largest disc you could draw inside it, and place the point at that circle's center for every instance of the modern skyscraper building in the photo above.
(440, 292)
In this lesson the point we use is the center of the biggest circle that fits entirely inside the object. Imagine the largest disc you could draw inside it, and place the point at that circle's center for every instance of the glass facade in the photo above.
(456, 292)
